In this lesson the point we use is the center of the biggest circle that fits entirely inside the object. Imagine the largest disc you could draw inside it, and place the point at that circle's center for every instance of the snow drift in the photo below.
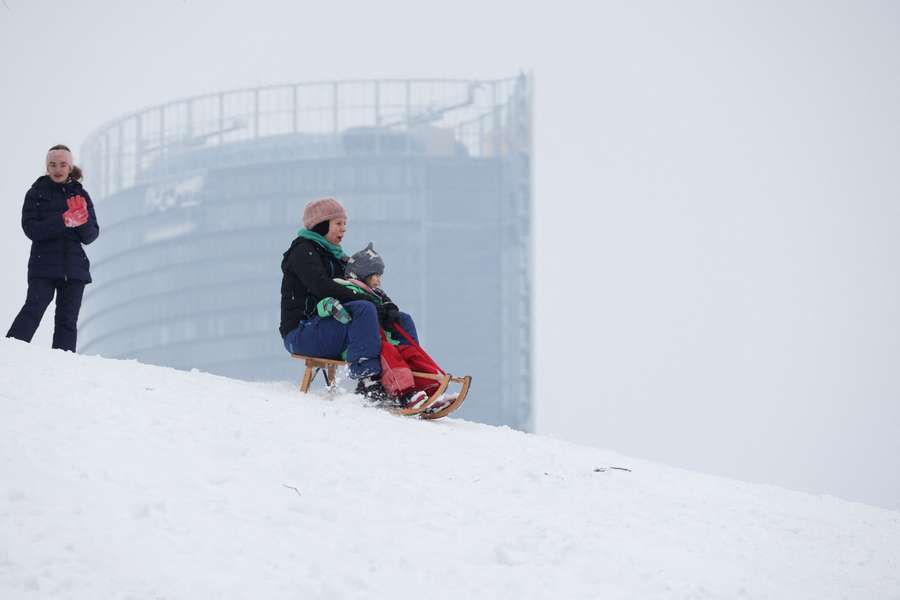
(122, 480)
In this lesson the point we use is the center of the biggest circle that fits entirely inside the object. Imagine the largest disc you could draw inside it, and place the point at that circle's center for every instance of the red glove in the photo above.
(75, 217)
(77, 213)
(75, 202)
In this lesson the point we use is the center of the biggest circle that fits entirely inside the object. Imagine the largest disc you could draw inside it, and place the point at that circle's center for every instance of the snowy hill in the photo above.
(121, 480)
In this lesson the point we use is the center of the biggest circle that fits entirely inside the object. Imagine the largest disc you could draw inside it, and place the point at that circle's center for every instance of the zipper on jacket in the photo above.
(64, 240)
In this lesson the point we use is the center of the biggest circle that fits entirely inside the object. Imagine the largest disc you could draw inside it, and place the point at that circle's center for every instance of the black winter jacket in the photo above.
(308, 271)
(56, 251)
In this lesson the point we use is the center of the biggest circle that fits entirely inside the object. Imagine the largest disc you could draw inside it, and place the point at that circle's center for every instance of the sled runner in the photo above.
(328, 367)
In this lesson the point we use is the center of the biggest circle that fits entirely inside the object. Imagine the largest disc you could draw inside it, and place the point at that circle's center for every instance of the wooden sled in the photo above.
(328, 366)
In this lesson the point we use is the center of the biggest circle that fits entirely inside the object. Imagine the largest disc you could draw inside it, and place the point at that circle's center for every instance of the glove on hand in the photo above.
(76, 202)
(388, 315)
(75, 217)
(77, 213)
(331, 306)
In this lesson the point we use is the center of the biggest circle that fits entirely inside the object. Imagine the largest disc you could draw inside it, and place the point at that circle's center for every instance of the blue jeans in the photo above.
(328, 338)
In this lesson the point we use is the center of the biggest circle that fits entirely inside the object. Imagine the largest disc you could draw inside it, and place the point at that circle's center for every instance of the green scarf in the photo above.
(336, 250)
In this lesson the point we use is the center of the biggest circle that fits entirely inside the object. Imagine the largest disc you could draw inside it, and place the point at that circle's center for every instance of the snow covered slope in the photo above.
(121, 480)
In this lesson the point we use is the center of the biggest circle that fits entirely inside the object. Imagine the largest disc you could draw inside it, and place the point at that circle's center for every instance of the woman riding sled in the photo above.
(322, 318)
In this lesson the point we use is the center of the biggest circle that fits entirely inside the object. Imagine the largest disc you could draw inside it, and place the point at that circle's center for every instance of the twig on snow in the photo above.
(290, 487)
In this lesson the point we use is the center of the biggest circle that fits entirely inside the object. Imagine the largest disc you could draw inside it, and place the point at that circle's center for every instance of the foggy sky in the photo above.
(716, 196)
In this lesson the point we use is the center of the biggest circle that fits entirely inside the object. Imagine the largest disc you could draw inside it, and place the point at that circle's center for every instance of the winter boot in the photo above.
(413, 399)
(371, 389)
(443, 401)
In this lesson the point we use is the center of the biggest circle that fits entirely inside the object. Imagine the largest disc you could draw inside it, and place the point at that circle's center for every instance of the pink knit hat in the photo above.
(323, 209)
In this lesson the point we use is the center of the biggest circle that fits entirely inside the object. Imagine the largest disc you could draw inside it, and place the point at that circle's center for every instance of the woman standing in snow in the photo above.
(58, 217)
(320, 317)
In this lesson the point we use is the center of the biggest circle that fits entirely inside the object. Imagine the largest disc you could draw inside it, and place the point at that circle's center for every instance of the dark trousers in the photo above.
(328, 338)
(408, 326)
(68, 304)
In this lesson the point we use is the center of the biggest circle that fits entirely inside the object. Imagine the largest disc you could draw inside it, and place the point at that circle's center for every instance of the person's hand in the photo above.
(76, 202)
(331, 306)
(388, 314)
(341, 314)
(78, 213)
(75, 217)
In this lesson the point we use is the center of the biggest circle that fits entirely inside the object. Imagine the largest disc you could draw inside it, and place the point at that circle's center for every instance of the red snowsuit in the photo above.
(398, 363)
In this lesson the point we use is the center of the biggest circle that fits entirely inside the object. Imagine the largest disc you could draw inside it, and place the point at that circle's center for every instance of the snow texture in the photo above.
(122, 480)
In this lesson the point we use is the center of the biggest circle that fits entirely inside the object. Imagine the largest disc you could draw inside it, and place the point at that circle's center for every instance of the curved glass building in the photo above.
(198, 199)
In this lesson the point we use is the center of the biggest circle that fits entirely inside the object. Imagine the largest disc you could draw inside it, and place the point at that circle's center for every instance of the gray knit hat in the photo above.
(365, 263)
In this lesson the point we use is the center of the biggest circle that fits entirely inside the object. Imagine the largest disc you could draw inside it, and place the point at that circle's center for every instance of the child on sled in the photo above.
(401, 354)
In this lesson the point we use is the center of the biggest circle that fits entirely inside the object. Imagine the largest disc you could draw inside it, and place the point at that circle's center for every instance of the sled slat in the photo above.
(429, 376)
(329, 365)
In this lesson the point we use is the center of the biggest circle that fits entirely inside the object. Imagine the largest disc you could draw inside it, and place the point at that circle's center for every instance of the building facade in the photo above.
(198, 199)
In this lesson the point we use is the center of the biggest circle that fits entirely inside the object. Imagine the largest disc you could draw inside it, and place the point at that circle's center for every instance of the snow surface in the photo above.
(122, 480)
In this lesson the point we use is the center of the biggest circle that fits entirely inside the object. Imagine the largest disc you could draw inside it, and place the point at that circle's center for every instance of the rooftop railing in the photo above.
(479, 118)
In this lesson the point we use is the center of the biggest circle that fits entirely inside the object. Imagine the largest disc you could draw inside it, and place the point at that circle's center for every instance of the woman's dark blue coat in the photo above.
(56, 250)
